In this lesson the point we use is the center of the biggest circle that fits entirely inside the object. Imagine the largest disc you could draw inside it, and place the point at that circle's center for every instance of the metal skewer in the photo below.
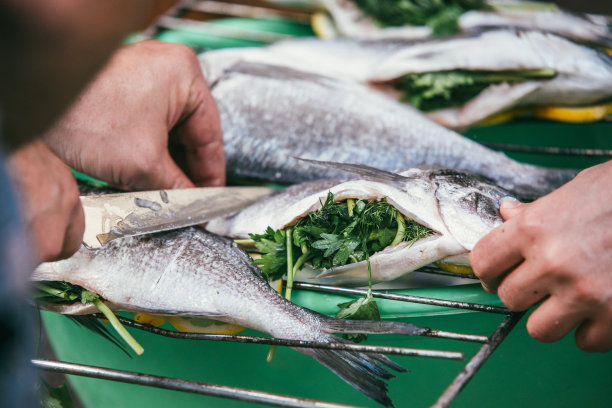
(178, 384)
(404, 298)
(566, 151)
(477, 361)
(449, 355)
(246, 10)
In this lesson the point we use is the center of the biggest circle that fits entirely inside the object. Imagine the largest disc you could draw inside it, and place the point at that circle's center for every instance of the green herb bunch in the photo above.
(437, 90)
(339, 233)
(441, 15)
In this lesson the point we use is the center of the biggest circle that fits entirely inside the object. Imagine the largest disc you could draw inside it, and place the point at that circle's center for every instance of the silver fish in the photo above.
(583, 75)
(351, 22)
(271, 114)
(458, 207)
(191, 272)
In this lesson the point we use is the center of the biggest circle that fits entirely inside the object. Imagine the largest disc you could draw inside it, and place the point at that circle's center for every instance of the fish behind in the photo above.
(191, 272)
(397, 20)
(271, 114)
(462, 80)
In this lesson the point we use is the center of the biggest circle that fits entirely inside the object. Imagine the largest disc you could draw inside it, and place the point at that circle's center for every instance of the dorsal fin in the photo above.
(363, 171)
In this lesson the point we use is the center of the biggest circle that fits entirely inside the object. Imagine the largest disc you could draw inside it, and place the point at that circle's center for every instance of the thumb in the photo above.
(510, 207)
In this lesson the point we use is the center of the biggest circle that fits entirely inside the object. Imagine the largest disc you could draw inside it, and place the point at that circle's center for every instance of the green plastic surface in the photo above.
(522, 372)
(198, 38)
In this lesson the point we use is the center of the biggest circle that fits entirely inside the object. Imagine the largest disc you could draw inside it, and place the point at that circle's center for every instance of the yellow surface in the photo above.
(323, 26)
(153, 320)
(461, 269)
(202, 325)
(189, 324)
(571, 114)
(559, 113)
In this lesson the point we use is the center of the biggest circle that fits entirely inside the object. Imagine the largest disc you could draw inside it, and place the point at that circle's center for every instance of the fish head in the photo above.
(469, 205)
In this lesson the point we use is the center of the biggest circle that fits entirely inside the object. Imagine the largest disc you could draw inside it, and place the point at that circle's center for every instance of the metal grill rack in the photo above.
(489, 344)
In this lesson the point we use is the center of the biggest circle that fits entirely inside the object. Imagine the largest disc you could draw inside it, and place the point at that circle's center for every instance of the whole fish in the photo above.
(271, 114)
(459, 209)
(563, 73)
(191, 272)
(350, 21)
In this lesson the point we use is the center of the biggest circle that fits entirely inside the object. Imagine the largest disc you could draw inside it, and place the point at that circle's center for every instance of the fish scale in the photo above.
(272, 114)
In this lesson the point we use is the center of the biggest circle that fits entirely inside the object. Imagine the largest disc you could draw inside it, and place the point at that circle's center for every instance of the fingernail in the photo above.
(509, 202)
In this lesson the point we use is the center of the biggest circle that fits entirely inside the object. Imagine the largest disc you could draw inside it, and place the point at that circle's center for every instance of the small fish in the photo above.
(271, 114)
(458, 207)
(557, 71)
(191, 272)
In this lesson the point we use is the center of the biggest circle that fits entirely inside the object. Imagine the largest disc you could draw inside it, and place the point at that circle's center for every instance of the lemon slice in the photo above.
(501, 117)
(572, 114)
(146, 318)
(454, 268)
(323, 26)
(202, 325)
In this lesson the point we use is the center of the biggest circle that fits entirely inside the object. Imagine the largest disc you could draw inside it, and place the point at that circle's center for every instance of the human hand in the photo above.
(49, 197)
(151, 100)
(558, 248)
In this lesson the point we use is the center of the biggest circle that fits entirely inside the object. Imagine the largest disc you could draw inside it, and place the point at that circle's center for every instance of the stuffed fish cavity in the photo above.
(457, 207)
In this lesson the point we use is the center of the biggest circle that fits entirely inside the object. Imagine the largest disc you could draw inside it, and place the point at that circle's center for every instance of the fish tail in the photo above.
(364, 372)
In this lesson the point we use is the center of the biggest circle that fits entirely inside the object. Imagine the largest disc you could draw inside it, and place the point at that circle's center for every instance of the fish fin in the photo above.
(94, 324)
(280, 72)
(362, 371)
(374, 327)
(361, 170)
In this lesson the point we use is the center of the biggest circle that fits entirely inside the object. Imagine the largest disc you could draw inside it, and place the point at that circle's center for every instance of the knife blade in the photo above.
(112, 216)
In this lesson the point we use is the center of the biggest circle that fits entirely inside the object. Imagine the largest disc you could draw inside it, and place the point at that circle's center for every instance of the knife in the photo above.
(112, 216)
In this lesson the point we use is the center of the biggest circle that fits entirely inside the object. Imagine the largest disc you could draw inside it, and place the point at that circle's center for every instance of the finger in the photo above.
(491, 285)
(594, 336)
(165, 174)
(201, 137)
(74, 232)
(552, 320)
(497, 253)
(523, 287)
(511, 208)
